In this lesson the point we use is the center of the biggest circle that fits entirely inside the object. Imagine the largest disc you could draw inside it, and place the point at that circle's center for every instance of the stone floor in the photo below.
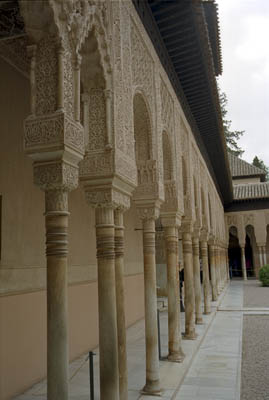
(211, 369)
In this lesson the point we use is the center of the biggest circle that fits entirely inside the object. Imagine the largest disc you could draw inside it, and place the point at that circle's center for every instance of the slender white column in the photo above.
(217, 256)
(120, 297)
(213, 272)
(108, 338)
(243, 262)
(152, 385)
(197, 281)
(264, 255)
(189, 287)
(57, 315)
(174, 335)
(206, 284)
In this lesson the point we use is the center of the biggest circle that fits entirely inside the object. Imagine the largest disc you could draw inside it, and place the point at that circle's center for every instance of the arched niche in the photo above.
(234, 253)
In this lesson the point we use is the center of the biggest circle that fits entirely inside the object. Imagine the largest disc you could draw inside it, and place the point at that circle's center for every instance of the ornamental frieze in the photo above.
(52, 131)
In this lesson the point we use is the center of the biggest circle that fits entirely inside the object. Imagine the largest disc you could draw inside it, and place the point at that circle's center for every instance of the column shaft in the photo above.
(213, 272)
(218, 270)
(120, 298)
(189, 288)
(152, 359)
(174, 335)
(108, 340)
(57, 316)
(243, 262)
(206, 284)
(197, 281)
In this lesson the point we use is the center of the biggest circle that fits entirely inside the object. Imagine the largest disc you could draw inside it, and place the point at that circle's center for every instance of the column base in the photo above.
(176, 357)
(199, 321)
(189, 336)
(152, 388)
(207, 312)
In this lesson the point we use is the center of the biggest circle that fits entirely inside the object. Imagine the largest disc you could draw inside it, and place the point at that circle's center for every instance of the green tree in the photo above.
(231, 136)
(260, 164)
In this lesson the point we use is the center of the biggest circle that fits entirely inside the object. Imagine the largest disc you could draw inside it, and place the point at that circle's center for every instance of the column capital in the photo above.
(148, 210)
(56, 175)
(186, 226)
(107, 197)
(170, 220)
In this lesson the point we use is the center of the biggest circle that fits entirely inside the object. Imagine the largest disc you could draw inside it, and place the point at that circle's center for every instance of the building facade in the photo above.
(111, 142)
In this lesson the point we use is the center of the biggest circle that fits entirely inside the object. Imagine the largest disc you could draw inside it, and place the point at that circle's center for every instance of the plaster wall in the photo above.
(23, 330)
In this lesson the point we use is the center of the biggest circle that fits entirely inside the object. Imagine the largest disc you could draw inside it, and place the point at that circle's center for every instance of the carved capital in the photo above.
(147, 211)
(107, 198)
(56, 175)
(170, 219)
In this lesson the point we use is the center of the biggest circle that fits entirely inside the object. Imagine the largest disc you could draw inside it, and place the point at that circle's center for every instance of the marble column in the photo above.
(218, 269)
(243, 262)
(189, 286)
(213, 272)
(197, 280)
(227, 264)
(152, 385)
(108, 338)
(56, 214)
(261, 260)
(175, 352)
(120, 299)
(206, 284)
(264, 255)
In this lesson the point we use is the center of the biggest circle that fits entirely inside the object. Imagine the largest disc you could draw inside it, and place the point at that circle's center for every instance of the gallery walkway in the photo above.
(210, 371)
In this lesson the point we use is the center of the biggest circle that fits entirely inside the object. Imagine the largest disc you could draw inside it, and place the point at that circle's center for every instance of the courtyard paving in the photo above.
(212, 366)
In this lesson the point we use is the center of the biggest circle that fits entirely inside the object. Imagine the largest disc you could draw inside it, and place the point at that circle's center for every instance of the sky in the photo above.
(244, 30)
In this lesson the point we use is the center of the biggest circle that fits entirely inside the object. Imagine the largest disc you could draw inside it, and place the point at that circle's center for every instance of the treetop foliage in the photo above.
(231, 136)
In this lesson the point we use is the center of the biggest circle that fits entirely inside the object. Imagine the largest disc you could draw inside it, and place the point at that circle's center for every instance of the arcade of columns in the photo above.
(104, 115)
(254, 224)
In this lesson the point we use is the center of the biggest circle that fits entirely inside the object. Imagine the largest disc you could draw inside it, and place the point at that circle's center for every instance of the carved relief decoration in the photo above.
(96, 164)
(249, 219)
(97, 120)
(107, 197)
(167, 108)
(142, 65)
(231, 220)
(56, 175)
(52, 130)
(46, 81)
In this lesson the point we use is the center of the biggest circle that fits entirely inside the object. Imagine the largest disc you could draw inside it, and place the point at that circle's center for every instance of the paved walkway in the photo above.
(211, 369)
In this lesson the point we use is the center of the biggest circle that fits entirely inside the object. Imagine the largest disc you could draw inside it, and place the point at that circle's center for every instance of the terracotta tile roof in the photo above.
(251, 191)
(240, 168)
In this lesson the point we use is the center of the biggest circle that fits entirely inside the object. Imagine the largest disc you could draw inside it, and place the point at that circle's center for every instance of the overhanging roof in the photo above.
(180, 34)
(242, 169)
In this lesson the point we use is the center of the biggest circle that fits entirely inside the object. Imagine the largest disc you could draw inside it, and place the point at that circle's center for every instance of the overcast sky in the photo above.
(244, 27)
